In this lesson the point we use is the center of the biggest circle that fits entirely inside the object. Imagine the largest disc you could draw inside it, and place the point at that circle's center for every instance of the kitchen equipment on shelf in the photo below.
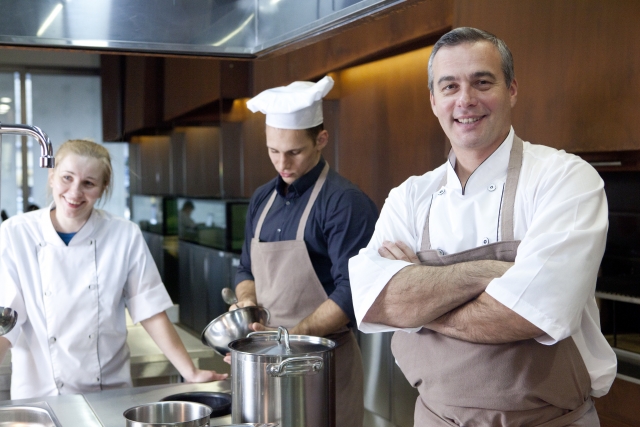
(232, 325)
(8, 319)
(282, 378)
(220, 403)
(168, 414)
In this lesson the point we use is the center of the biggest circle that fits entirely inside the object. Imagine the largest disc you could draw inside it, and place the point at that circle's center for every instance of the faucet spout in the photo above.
(47, 160)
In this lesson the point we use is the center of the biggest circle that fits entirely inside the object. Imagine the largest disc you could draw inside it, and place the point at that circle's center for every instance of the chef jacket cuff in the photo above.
(553, 332)
(369, 274)
(149, 303)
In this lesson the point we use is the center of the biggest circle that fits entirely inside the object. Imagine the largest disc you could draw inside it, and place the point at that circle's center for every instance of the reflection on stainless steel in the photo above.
(220, 27)
(37, 414)
(8, 319)
(231, 326)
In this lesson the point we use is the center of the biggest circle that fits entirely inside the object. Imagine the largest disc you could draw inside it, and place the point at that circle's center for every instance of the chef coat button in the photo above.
(440, 252)
(278, 230)
(47, 293)
(91, 336)
(42, 244)
(485, 241)
(287, 203)
(492, 187)
(90, 242)
(441, 191)
(98, 379)
(52, 340)
(60, 384)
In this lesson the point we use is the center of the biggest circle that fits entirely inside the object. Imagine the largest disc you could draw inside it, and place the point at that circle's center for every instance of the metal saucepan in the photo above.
(168, 414)
(232, 325)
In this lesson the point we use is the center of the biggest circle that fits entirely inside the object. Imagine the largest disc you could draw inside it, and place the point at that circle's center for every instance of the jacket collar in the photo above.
(82, 236)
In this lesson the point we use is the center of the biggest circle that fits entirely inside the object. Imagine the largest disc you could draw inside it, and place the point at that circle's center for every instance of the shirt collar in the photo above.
(494, 168)
(298, 187)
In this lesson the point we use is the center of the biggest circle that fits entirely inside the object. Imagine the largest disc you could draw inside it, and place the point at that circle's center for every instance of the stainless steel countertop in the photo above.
(105, 408)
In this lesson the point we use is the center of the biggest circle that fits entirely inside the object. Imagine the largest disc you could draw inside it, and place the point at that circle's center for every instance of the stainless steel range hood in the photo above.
(235, 28)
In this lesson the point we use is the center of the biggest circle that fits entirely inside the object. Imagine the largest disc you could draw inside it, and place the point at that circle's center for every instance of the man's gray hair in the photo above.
(472, 35)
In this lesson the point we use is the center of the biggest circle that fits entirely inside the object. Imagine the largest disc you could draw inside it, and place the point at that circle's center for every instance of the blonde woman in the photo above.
(69, 270)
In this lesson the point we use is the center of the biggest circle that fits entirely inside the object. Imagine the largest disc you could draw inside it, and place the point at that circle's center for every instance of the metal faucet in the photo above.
(46, 149)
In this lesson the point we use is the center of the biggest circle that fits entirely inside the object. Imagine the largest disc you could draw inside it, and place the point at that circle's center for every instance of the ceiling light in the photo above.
(236, 31)
(45, 25)
(5, 100)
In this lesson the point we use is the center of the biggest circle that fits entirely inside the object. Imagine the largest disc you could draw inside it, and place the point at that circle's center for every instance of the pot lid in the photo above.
(280, 343)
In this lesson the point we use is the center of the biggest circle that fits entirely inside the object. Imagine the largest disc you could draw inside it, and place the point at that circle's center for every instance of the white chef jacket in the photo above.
(561, 218)
(71, 331)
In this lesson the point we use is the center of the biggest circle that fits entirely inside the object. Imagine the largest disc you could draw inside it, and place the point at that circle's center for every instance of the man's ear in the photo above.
(322, 139)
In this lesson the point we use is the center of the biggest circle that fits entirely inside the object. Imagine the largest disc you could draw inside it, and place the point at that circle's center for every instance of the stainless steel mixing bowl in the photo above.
(232, 326)
(168, 414)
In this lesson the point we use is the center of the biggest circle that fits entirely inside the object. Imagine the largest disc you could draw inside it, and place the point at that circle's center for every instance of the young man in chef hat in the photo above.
(302, 228)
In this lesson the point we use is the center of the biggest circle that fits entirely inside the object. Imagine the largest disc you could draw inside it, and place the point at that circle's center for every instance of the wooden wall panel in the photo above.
(411, 21)
(189, 84)
(577, 64)
(387, 129)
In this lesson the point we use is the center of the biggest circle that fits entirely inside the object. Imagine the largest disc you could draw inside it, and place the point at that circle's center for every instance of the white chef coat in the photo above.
(561, 218)
(71, 331)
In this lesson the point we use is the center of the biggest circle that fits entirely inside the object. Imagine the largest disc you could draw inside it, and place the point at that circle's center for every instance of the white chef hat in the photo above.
(296, 106)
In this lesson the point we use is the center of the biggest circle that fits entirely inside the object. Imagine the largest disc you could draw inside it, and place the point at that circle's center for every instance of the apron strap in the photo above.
(508, 201)
(314, 195)
(307, 210)
(263, 215)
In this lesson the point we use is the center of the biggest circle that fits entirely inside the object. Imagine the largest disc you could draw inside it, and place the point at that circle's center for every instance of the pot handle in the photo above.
(281, 334)
(294, 366)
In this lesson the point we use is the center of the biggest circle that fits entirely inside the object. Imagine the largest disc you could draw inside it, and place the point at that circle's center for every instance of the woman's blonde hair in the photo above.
(87, 148)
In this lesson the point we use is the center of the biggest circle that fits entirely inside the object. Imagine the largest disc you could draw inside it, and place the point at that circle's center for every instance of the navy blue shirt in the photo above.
(341, 222)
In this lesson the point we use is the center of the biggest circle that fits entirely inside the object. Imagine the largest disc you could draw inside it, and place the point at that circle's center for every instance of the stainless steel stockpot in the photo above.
(282, 378)
(168, 414)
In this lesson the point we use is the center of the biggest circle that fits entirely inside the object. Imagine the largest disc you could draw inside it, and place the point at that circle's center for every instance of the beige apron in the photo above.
(287, 285)
(524, 383)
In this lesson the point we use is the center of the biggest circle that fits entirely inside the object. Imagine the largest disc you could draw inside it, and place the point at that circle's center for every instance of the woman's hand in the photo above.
(203, 376)
(398, 251)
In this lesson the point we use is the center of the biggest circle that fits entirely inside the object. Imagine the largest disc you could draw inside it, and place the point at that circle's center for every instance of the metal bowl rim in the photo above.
(251, 308)
(182, 403)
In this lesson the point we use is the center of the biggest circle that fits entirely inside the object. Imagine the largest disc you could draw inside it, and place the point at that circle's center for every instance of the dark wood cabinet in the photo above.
(150, 165)
(143, 94)
(112, 82)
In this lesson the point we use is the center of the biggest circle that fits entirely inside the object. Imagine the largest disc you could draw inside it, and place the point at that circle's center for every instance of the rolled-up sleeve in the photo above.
(554, 274)
(368, 271)
(145, 294)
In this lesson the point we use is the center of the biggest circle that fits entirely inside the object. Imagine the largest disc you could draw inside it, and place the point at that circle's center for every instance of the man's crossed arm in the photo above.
(449, 300)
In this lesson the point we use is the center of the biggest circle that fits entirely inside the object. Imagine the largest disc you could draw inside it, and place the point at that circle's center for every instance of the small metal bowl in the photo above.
(232, 326)
(165, 414)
